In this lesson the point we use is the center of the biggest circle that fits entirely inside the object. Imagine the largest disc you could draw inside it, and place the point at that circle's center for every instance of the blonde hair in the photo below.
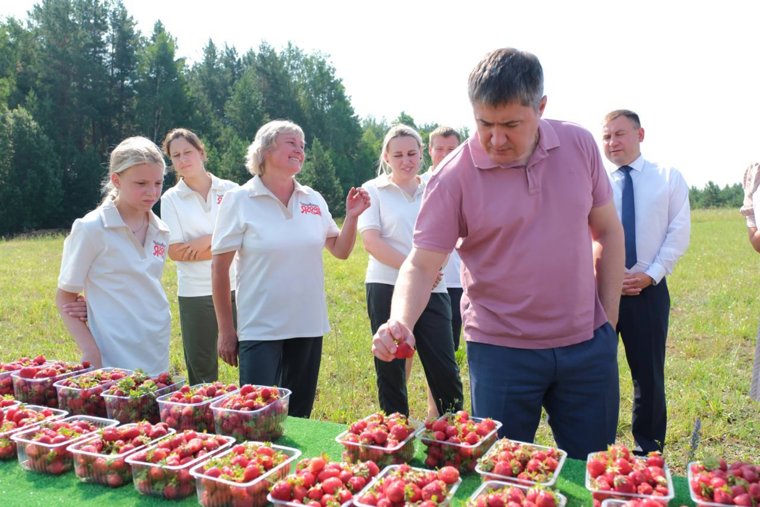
(129, 153)
(399, 130)
(265, 140)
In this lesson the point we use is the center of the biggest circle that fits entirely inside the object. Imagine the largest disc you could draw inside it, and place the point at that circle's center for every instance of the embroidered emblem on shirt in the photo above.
(219, 198)
(159, 249)
(308, 208)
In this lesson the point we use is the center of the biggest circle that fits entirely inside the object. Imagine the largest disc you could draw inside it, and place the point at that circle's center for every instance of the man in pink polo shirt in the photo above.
(542, 253)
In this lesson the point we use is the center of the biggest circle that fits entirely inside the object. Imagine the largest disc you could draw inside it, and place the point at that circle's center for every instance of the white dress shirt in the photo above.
(663, 222)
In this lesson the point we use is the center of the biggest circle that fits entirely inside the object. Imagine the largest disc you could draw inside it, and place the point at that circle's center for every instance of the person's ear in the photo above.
(115, 180)
(541, 106)
(641, 134)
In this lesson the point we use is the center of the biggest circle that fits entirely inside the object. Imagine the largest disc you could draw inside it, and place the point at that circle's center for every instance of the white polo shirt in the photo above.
(127, 310)
(393, 213)
(188, 217)
(452, 272)
(281, 282)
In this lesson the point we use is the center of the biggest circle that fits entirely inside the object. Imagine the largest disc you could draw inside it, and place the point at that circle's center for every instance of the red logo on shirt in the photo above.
(219, 198)
(313, 209)
(159, 249)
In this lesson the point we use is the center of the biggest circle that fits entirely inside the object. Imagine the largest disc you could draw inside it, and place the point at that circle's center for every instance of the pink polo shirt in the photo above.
(526, 249)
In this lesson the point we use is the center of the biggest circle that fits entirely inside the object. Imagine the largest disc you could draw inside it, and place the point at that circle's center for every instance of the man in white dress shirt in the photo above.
(655, 211)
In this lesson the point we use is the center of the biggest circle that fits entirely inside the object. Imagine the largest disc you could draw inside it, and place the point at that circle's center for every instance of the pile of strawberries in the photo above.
(379, 438)
(243, 464)
(527, 463)
(43, 449)
(133, 398)
(15, 418)
(7, 400)
(718, 482)
(252, 413)
(318, 481)
(6, 383)
(616, 473)
(102, 459)
(516, 496)
(81, 394)
(189, 407)
(34, 384)
(400, 485)
(164, 468)
(458, 440)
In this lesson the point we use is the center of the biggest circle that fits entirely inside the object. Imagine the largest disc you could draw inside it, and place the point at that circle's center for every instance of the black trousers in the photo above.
(455, 294)
(292, 364)
(435, 346)
(643, 326)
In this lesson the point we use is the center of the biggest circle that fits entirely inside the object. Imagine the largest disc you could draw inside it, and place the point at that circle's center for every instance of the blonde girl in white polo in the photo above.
(190, 208)
(278, 228)
(387, 228)
(115, 255)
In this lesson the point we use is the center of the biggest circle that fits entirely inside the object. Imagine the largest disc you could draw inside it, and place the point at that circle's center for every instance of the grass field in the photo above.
(714, 319)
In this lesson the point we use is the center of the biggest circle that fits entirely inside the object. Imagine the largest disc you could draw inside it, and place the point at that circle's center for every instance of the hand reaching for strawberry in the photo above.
(393, 340)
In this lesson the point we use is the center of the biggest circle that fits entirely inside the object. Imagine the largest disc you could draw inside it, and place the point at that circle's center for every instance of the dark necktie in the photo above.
(629, 218)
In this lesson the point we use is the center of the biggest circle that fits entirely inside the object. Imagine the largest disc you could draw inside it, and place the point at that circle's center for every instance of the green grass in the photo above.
(713, 325)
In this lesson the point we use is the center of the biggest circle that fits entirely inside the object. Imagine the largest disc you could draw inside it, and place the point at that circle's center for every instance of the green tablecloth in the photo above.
(28, 489)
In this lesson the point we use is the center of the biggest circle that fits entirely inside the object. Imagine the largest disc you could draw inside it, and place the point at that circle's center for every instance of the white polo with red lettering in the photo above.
(189, 217)
(127, 310)
(280, 284)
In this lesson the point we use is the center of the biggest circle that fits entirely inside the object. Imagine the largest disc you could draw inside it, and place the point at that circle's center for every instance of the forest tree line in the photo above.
(77, 77)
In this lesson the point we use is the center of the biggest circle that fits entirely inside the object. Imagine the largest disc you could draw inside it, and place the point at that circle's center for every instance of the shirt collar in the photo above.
(384, 180)
(547, 140)
(256, 188)
(636, 165)
(112, 219)
(184, 190)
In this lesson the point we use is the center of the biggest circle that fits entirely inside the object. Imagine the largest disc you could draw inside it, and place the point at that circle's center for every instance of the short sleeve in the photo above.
(229, 229)
(79, 252)
(439, 224)
(601, 190)
(370, 218)
(756, 205)
(331, 228)
(171, 219)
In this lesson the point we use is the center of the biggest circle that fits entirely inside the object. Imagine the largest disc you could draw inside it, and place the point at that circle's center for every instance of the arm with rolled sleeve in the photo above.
(679, 229)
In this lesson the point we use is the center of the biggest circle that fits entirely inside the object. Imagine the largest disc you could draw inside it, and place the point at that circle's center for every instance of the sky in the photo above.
(688, 68)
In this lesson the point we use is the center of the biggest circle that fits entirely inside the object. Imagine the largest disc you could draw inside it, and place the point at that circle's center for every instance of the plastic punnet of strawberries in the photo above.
(715, 481)
(17, 418)
(163, 469)
(617, 473)
(133, 398)
(318, 481)
(80, 394)
(252, 413)
(403, 485)
(34, 384)
(44, 448)
(6, 382)
(189, 407)
(383, 439)
(102, 459)
(499, 494)
(514, 461)
(243, 474)
(458, 440)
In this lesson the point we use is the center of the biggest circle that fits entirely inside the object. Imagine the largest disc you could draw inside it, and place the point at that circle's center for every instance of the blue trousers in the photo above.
(577, 385)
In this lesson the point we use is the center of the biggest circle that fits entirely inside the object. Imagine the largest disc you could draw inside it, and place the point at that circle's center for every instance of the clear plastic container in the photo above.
(7, 445)
(694, 498)
(8, 401)
(376, 484)
(188, 416)
(502, 444)
(7, 369)
(489, 486)
(615, 495)
(41, 391)
(264, 425)
(355, 452)
(86, 400)
(52, 458)
(463, 456)
(108, 469)
(129, 409)
(170, 482)
(219, 492)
